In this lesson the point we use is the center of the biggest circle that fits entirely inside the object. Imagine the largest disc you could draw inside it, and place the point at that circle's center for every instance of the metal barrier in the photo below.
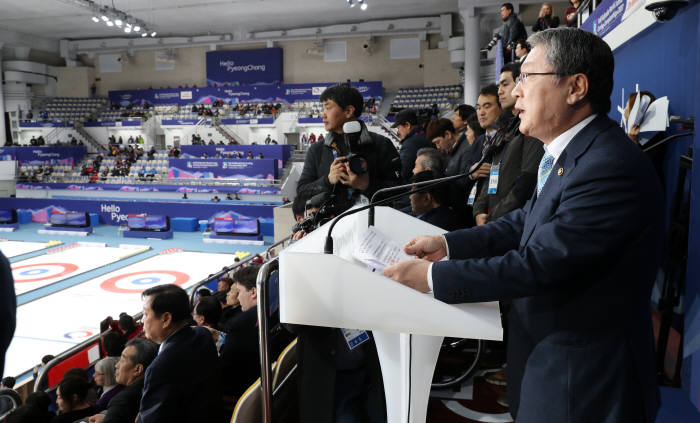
(265, 364)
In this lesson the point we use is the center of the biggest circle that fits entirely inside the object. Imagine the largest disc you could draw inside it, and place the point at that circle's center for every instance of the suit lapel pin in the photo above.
(560, 171)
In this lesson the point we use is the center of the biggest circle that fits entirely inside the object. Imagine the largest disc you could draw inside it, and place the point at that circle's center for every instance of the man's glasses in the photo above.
(523, 77)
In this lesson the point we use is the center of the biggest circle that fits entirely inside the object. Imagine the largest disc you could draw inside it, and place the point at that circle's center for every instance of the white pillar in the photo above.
(472, 62)
(3, 138)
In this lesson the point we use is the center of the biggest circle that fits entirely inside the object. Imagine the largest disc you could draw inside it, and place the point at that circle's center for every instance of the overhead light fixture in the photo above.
(127, 29)
(153, 34)
(95, 19)
(118, 22)
(109, 23)
(137, 28)
(364, 6)
(145, 34)
(105, 18)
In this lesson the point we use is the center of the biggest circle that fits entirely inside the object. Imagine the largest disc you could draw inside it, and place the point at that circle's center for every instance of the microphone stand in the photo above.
(420, 186)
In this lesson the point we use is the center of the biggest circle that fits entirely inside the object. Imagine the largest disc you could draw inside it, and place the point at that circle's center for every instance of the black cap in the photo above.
(405, 115)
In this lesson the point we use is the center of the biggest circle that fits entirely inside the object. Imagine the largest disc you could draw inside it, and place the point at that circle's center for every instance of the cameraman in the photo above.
(326, 166)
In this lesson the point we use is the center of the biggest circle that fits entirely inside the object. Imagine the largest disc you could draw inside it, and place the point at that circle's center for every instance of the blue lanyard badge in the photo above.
(493, 179)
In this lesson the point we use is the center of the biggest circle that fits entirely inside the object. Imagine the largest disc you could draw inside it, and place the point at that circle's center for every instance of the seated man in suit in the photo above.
(429, 205)
(428, 158)
(138, 354)
(578, 261)
(177, 386)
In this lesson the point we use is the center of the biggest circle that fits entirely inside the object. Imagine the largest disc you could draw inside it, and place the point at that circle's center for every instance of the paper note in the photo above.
(377, 251)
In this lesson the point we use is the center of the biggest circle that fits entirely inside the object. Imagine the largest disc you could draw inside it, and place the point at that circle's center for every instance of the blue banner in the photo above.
(257, 190)
(280, 152)
(115, 212)
(244, 66)
(269, 93)
(179, 121)
(69, 155)
(113, 123)
(223, 168)
(258, 121)
(609, 14)
(45, 124)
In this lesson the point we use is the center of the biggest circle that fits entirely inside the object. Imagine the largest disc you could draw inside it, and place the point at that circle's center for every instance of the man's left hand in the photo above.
(413, 273)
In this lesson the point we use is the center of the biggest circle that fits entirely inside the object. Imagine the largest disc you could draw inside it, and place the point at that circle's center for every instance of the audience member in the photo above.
(546, 19)
(105, 381)
(207, 312)
(429, 205)
(113, 343)
(488, 110)
(184, 382)
(458, 155)
(240, 353)
(512, 30)
(570, 13)
(6, 404)
(231, 307)
(71, 399)
(131, 368)
(412, 139)
(428, 158)
(129, 327)
(522, 48)
(34, 410)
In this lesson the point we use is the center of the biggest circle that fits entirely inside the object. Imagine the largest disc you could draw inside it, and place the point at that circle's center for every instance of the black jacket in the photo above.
(443, 217)
(381, 156)
(410, 145)
(241, 346)
(183, 383)
(459, 160)
(519, 159)
(124, 407)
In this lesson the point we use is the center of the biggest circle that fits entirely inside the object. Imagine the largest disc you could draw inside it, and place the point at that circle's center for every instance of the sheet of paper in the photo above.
(656, 116)
(377, 251)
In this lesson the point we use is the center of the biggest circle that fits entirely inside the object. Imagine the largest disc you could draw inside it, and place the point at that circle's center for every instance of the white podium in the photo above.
(408, 326)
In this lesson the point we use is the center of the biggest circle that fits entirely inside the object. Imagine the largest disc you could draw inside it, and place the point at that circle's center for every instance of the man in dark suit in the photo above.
(515, 159)
(428, 205)
(138, 354)
(578, 260)
(412, 139)
(183, 383)
(8, 306)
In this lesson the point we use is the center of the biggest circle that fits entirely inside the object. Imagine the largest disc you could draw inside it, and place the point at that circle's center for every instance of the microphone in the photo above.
(420, 186)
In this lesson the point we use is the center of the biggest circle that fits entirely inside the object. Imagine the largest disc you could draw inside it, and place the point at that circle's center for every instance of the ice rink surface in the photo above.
(18, 248)
(46, 269)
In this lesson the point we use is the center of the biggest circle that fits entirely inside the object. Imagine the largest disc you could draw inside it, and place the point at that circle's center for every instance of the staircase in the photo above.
(89, 138)
(224, 132)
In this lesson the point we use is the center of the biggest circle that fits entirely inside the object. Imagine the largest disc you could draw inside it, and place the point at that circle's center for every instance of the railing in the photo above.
(263, 327)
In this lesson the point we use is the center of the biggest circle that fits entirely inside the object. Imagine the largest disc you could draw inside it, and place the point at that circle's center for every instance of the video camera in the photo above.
(351, 131)
(327, 209)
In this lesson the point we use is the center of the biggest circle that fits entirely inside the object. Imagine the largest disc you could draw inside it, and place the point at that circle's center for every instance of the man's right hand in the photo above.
(427, 247)
(483, 171)
(337, 171)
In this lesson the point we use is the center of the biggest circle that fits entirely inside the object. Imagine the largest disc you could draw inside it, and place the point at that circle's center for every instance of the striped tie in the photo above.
(545, 167)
